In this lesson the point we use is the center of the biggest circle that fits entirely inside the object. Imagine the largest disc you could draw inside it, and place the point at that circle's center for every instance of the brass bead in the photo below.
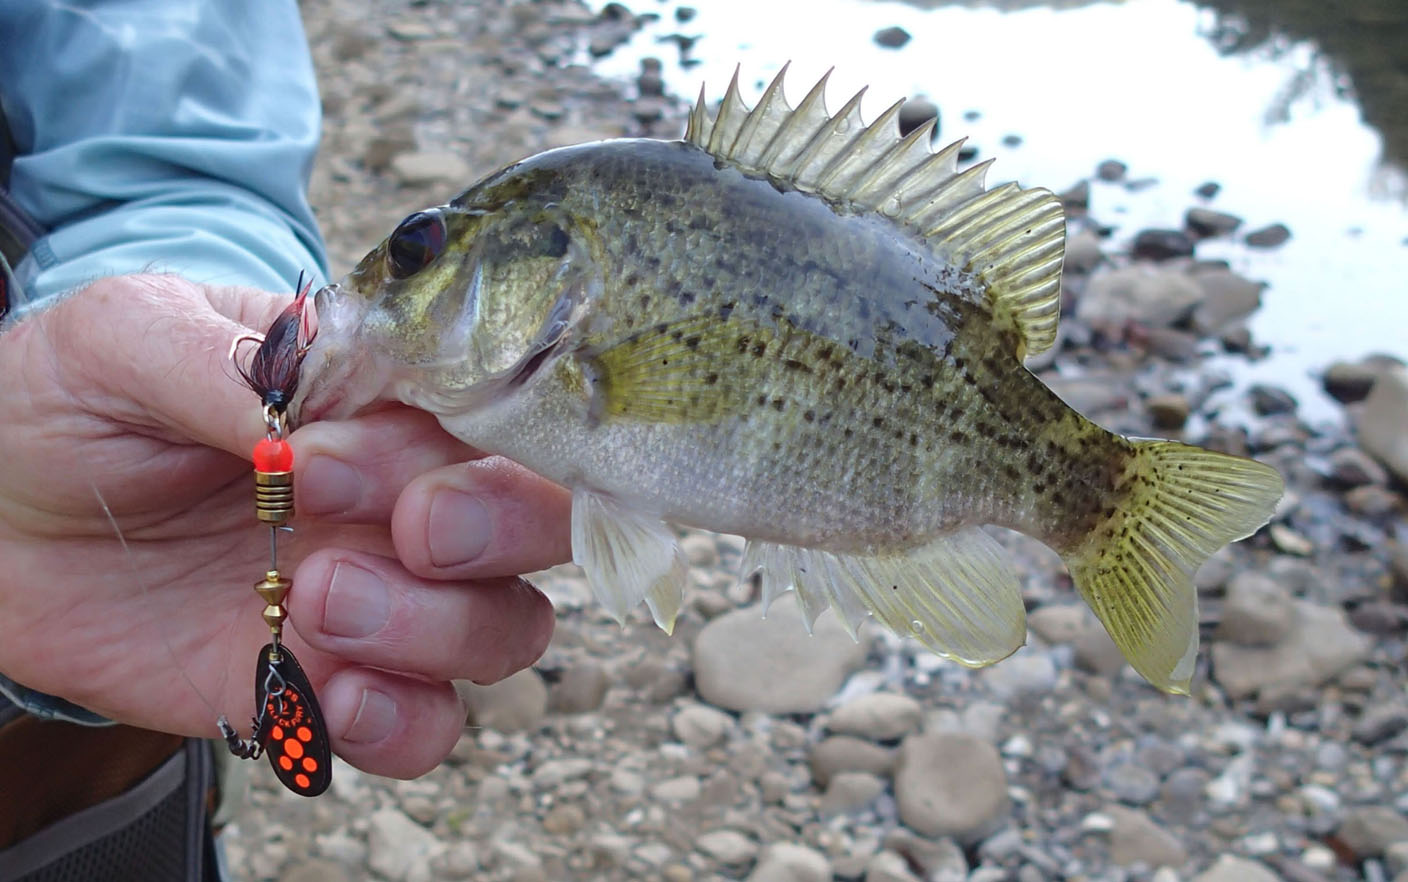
(273, 497)
(274, 617)
(273, 588)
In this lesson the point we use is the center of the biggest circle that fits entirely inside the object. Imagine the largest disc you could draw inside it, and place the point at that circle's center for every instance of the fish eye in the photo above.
(414, 243)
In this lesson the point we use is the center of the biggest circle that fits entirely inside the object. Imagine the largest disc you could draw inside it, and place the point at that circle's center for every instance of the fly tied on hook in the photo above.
(288, 724)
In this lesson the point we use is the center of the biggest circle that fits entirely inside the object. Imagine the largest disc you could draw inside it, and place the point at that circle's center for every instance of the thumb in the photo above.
(153, 351)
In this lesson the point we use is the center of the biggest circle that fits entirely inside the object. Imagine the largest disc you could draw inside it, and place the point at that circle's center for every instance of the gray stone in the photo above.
(729, 847)
(398, 846)
(1227, 297)
(1208, 222)
(700, 726)
(1111, 170)
(951, 785)
(1077, 198)
(850, 792)
(1058, 623)
(1161, 245)
(1350, 381)
(430, 167)
(1151, 295)
(1168, 412)
(843, 753)
(1268, 236)
(1090, 394)
(1136, 839)
(879, 716)
(891, 37)
(1396, 857)
(1369, 830)
(1271, 400)
(1383, 424)
(1258, 611)
(1028, 672)
(1353, 467)
(514, 704)
(1132, 783)
(939, 860)
(315, 870)
(1096, 653)
(789, 862)
(886, 866)
(745, 662)
(683, 788)
(580, 689)
(1181, 795)
(1083, 252)
(1372, 501)
(1230, 868)
(1320, 644)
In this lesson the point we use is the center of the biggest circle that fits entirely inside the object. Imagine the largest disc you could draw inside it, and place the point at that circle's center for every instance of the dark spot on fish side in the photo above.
(778, 404)
(743, 343)
(793, 364)
(726, 310)
(692, 341)
(710, 379)
(809, 416)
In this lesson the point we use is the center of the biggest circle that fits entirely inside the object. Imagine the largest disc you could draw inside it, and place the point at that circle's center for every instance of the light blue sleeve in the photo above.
(162, 135)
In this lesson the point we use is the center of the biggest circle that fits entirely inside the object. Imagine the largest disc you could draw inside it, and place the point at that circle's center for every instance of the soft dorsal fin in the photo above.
(1012, 239)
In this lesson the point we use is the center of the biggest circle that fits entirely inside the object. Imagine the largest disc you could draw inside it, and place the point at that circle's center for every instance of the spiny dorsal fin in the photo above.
(1012, 239)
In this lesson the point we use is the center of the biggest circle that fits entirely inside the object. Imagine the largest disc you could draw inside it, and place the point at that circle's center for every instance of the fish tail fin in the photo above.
(1136, 568)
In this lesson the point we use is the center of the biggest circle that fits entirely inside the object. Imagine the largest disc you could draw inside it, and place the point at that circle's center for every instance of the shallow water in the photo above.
(1181, 94)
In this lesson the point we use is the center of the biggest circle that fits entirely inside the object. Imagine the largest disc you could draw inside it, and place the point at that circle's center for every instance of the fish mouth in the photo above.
(338, 378)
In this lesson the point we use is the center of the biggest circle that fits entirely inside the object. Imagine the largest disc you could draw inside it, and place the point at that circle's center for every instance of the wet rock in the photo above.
(915, 112)
(1353, 467)
(1137, 839)
(1168, 412)
(1372, 501)
(850, 792)
(938, 860)
(1288, 541)
(1161, 245)
(1181, 796)
(1111, 170)
(1077, 198)
(682, 788)
(789, 862)
(1152, 295)
(844, 753)
(1029, 672)
(729, 847)
(892, 37)
(1378, 617)
(700, 726)
(886, 866)
(515, 704)
(1258, 611)
(1369, 830)
(1132, 783)
(1096, 653)
(1227, 297)
(951, 785)
(430, 167)
(1170, 343)
(579, 690)
(1208, 189)
(1380, 723)
(1230, 868)
(398, 846)
(1058, 623)
(651, 81)
(1268, 236)
(745, 662)
(1083, 252)
(1206, 222)
(879, 716)
(1350, 381)
(1271, 400)
(1383, 424)
(1320, 644)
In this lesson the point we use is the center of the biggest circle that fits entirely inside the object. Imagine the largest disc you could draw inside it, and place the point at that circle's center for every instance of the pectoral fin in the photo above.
(628, 557)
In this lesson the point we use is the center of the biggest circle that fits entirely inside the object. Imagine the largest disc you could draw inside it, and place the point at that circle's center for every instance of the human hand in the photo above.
(120, 396)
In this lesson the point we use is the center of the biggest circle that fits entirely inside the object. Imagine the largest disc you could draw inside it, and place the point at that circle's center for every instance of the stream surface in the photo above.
(1298, 110)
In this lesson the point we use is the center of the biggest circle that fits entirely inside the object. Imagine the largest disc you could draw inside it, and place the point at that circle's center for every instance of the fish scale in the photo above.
(804, 330)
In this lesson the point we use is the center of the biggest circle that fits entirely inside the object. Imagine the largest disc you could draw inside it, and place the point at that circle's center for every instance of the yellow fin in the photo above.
(957, 594)
(672, 372)
(1012, 239)
(1136, 569)
(628, 557)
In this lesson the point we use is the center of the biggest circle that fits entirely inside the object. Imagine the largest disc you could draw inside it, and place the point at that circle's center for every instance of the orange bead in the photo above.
(273, 456)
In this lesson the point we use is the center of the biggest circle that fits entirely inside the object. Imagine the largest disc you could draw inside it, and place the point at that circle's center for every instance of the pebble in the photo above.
(844, 753)
(1258, 611)
(1353, 467)
(917, 111)
(891, 37)
(1160, 245)
(397, 847)
(951, 785)
(315, 870)
(1383, 424)
(790, 862)
(1058, 623)
(729, 847)
(1208, 189)
(1168, 412)
(1227, 298)
(1136, 839)
(744, 662)
(886, 866)
(1149, 294)
(683, 788)
(849, 792)
(1028, 672)
(1372, 501)
(515, 704)
(1349, 382)
(1230, 868)
(1084, 252)
(1271, 400)
(1111, 170)
(700, 726)
(879, 716)
(1096, 653)
(1208, 222)
(1369, 830)
(1319, 645)
(430, 167)
(1131, 783)
(580, 689)
(1268, 236)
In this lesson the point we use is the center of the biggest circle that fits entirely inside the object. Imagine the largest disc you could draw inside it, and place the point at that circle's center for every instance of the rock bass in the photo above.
(802, 329)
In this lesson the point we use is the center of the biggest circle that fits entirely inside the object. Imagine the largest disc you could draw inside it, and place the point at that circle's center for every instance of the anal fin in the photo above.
(628, 557)
(957, 594)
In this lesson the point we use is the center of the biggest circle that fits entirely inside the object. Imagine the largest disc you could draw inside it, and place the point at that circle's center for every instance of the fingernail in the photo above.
(330, 486)
(375, 718)
(357, 603)
(459, 528)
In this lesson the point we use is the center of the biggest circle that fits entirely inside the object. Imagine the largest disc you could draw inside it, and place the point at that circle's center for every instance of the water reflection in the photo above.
(1364, 40)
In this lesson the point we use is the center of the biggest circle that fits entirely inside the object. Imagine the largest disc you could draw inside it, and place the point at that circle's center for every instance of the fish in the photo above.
(803, 329)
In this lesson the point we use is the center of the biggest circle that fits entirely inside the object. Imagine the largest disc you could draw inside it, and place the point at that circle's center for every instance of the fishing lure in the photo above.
(288, 723)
